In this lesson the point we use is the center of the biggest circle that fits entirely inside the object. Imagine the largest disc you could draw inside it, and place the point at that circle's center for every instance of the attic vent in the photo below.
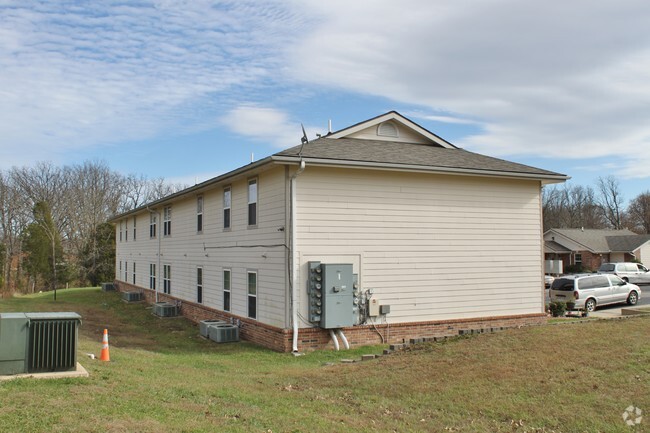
(387, 129)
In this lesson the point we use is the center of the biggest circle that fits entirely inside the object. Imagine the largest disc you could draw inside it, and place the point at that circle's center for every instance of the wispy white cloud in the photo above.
(78, 74)
(267, 125)
(568, 80)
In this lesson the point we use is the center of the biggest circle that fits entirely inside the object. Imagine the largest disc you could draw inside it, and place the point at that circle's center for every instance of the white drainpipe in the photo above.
(294, 259)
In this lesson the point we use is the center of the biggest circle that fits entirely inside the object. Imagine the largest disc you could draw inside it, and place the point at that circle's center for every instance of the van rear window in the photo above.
(562, 284)
(607, 267)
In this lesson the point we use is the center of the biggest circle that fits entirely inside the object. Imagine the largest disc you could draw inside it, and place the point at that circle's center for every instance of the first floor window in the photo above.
(119, 275)
(167, 279)
(578, 259)
(252, 295)
(152, 276)
(226, 290)
(199, 285)
(133, 273)
(126, 271)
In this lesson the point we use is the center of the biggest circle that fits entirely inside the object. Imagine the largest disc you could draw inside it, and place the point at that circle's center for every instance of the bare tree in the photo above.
(610, 201)
(14, 217)
(639, 212)
(570, 206)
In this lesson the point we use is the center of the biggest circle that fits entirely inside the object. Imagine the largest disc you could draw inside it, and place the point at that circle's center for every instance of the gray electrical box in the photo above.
(14, 333)
(331, 295)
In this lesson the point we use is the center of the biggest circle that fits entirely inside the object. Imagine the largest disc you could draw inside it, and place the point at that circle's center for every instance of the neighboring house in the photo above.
(590, 248)
(431, 233)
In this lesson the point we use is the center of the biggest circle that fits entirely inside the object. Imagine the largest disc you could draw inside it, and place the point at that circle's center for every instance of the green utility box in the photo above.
(38, 342)
(14, 333)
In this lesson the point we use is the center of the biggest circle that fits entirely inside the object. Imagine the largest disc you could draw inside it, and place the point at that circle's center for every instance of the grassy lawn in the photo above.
(163, 377)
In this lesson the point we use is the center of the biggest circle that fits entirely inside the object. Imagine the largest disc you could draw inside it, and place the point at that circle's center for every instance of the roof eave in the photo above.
(546, 179)
(195, 188)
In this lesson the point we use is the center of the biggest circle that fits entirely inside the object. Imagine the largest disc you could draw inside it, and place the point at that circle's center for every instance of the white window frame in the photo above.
(135, 221)
(199, 214)
(167, 221)
(133, 273)
(153, 224)
(199, 284)
(227, 207)
(251, 297)
(227, 289)
(167, 279)
(126, 271)
(253, 201)
(152, 276)
(121, 228)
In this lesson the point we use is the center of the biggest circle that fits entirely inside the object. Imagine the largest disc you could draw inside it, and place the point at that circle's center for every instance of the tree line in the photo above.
(53, 222)
(602, 207)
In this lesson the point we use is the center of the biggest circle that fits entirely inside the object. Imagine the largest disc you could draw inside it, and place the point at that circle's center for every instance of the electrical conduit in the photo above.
(334, 340)
(339, 332)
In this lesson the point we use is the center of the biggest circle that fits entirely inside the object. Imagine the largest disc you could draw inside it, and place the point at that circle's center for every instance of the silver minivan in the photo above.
(632, 272)
(588, 291)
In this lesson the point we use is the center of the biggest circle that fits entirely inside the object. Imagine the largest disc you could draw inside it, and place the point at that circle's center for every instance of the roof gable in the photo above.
(393, 127)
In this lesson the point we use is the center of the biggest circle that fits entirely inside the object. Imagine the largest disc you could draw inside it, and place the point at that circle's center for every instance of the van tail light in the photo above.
(576, 295)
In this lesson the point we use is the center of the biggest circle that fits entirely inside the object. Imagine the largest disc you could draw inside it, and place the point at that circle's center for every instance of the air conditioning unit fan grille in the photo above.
(132, 296)
(165, 309)
(52, 342)
(223, 333)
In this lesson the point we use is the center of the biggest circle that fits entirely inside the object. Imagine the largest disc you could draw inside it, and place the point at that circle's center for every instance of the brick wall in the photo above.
(316, 338)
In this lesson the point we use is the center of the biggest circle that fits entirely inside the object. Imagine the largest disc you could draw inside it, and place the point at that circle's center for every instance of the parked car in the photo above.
(587, 292)
(631, 272)
(548, 280)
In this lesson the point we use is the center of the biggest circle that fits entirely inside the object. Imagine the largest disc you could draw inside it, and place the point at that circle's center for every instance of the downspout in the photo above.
(294, 259)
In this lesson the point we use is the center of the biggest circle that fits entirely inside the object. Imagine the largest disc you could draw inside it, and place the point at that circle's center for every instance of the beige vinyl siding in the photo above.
(431, 246)
(184, 249)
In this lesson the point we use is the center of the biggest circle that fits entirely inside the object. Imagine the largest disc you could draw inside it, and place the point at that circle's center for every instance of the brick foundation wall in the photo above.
(280, 340)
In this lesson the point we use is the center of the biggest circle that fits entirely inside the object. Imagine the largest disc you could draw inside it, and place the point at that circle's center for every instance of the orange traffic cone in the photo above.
(105, 356)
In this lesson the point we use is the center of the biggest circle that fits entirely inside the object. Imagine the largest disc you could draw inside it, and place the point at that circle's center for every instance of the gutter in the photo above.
(426, 168)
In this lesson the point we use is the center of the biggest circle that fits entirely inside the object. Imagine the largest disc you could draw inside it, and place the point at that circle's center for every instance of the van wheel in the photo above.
(590, 305)
(632, 298)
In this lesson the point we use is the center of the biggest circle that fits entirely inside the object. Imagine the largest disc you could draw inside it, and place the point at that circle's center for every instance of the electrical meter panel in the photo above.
(331, 295)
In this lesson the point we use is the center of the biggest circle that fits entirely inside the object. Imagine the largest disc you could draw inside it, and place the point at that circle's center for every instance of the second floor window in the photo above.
(153, 220)
(135, 219)
(252, 202)
(167, 221)
(199, 214)
(226, 207)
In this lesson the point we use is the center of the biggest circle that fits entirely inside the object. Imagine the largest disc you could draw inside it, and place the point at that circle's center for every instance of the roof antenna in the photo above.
(303, 140)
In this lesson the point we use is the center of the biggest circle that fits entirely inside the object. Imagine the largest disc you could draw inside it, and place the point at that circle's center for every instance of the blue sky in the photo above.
(189, 89)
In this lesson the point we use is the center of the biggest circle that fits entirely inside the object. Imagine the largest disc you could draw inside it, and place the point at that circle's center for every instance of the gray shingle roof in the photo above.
(626, 243)
(554, 247)
(602, 241)
(409, 154)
